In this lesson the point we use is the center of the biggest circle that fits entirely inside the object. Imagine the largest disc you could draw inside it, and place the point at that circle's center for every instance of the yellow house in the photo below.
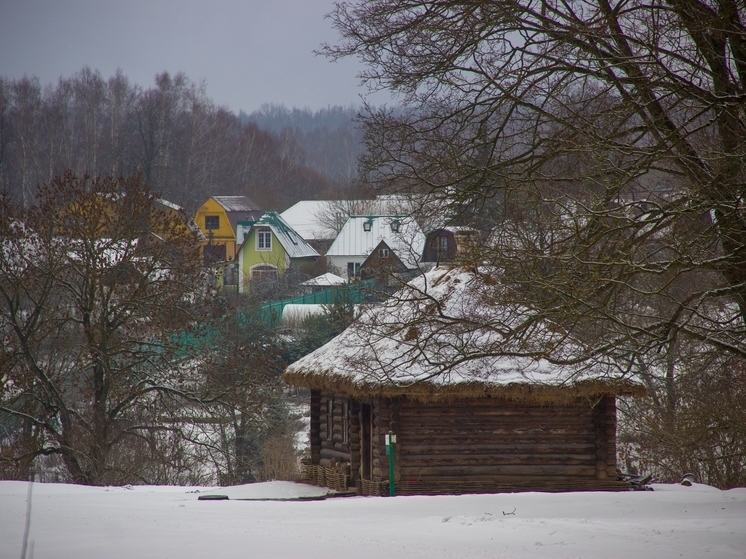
(217, 218)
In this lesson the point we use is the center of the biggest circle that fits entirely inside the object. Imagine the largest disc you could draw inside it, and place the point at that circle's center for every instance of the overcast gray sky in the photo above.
(249, 52)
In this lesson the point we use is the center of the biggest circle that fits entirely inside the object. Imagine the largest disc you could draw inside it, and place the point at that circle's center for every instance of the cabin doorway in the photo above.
(366, 441)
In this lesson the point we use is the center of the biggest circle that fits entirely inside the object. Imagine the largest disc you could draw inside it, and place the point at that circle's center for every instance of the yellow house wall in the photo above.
(225, 235)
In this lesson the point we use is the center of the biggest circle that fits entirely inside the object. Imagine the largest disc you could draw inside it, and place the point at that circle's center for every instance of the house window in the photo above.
(264, 272)
(394, 226)
(212, 222)
(443, 244)
(329, 419)
(353, 270)
(264, 240)
(383, 253)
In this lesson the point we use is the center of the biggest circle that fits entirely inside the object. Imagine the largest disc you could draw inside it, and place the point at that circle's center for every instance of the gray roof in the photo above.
(238, 208)
(237, 203)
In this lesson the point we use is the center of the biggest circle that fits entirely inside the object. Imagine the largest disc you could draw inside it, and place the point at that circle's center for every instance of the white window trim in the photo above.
(263, 265)
(259, 234)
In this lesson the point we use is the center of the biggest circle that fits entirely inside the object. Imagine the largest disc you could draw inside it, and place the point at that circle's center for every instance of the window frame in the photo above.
(345, 422)
(209, 220)
(264, 272)
(264, 240)
(329, 419)
(355, 266)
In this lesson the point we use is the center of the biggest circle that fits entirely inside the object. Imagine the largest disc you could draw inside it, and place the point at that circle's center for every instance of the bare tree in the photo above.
(603, 143)
(334, 213)
(583, 119)
(96, 281)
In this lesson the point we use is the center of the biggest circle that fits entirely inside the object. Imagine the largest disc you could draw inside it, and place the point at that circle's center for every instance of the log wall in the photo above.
(470, 446)
(334, 446)
(489, 445)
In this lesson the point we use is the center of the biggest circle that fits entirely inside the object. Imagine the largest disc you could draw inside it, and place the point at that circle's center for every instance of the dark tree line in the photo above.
(185, 146)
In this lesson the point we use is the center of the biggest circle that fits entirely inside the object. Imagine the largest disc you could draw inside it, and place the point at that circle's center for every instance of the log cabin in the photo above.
(480, 397)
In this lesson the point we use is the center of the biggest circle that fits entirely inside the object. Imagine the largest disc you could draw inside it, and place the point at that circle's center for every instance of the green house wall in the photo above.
(251, 257)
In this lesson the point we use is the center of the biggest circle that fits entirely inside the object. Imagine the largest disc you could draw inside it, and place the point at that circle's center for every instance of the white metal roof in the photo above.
(304, 217)
(354, 240)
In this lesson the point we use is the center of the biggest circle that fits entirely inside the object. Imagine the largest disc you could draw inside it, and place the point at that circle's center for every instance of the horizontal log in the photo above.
(514, 470)
(468, 402)
(441, 438)
(468, 424)
(436, 453)
(503, 412)
(497, 443)
(498, 478)
(498, 461)
(329, 454)
(461, 431)
(499, 418)
(457, 487)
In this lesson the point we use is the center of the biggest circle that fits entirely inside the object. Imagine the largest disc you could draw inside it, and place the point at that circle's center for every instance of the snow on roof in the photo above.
(362, 234)
(304, 218)
(444, 333)
(294, 313)
(325, 280)
(188, 220)
(236, 203)
(295, 246)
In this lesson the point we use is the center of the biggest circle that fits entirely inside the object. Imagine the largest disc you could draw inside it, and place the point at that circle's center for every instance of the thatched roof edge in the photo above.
(431, 392)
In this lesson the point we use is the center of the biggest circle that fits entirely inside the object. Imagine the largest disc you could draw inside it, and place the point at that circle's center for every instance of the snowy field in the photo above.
(76, 522)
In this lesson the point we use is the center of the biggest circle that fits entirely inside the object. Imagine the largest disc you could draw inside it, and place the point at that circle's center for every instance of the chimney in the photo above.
(467, 246)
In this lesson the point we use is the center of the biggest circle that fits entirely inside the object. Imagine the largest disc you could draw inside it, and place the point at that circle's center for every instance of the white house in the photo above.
(361, 235)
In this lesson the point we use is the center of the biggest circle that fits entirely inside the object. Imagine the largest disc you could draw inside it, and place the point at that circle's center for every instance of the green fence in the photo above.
(351, 294)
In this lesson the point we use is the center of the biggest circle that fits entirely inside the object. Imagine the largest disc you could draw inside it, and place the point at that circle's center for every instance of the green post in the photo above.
(390, 440)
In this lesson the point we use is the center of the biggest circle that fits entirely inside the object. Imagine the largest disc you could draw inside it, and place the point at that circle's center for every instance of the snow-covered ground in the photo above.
(68, 521)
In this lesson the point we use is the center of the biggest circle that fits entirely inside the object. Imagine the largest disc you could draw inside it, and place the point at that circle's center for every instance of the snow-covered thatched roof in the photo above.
(454, 332)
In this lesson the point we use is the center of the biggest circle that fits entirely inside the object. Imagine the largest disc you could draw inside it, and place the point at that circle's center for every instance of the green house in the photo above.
(269, 248)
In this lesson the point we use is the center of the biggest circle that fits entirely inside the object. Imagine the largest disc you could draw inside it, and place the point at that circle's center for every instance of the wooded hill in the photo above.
(185, 146)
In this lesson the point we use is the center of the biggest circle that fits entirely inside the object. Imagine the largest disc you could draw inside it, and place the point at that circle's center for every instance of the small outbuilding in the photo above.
(478, 394)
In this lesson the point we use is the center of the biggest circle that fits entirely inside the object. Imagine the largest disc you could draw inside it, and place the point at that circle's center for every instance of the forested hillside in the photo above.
(185, 146)
(331, 139)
